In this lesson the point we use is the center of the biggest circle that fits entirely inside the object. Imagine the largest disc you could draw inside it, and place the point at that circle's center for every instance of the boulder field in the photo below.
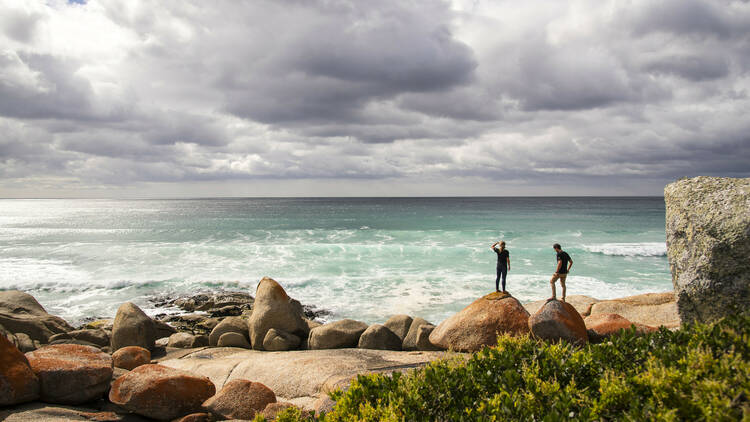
(136, 368)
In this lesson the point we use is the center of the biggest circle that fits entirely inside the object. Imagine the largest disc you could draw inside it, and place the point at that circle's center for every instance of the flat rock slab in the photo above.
(299, 374)
(654, 309)
(45, 412)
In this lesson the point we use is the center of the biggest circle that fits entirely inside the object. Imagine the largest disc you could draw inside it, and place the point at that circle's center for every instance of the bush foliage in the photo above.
(700, 372)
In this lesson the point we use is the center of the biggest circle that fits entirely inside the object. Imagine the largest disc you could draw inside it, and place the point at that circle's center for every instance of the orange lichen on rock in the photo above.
(71, 373)
(160, 392)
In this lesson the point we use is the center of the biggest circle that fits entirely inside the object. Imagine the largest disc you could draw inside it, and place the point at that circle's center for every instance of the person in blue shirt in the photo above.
(564, 262)
(503, 263)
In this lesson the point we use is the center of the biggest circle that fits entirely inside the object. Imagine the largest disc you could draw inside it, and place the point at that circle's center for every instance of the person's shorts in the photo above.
(560, 277)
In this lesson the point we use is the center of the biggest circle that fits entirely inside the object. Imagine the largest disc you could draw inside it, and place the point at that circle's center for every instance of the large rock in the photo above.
(240, 399)
(654, 309)
(582, 303)
(160, 392)
(379, 337)
(233, 340)
(279, 340)
(558, 320)
(336, 335)
(410, 340)
(273, 308)
(71, 374)
(228, 325)
(131, 357)
(423, 337)
(132, 327)
(708, 246)
(601, 326)
(18, 383)
(478, 324)
(400, 325)
(187, 340)
(98, 337)
(21, 313)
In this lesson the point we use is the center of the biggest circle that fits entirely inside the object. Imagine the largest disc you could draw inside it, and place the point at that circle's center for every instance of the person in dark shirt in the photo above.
(503, 263)
(564, 262)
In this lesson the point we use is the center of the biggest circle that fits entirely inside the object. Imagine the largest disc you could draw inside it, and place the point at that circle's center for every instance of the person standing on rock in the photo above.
(503, 263)
(564, 262)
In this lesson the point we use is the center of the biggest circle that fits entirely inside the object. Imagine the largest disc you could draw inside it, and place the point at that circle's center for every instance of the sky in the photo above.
(175, 98)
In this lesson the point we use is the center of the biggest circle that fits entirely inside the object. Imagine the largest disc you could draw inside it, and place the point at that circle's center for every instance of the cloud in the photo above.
(458, 95)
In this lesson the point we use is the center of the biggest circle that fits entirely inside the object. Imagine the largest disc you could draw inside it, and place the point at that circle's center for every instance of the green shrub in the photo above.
(700, 372)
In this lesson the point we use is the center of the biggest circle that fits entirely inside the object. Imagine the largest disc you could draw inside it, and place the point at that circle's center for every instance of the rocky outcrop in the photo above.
(232, 339)
(558, 320)
(21, 313)
(187, 340)
(18, 383)
(228, 325)
(410, 340)
(336, 335)
(279, 340)
(240, 399)
(131, 357)
(601, 326)
(273, 308)
(400, 325)
(160, 392)
(652, 309)
(132, 327)
(71, 374)
(479, 324)
(379, 337)
(582, 303)
(708, 245)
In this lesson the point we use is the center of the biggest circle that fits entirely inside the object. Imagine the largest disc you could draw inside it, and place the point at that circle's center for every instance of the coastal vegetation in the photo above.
(698, 372)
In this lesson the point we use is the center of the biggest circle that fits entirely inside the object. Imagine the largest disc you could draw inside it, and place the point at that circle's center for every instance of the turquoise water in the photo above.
(360, 258)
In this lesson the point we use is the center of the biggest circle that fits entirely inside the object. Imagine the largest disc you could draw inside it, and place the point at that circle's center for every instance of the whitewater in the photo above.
(362, 258)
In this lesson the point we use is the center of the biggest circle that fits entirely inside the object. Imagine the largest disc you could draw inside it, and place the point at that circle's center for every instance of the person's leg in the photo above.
(562, 283)
(554, 291)
(497, 280)
(505, 274)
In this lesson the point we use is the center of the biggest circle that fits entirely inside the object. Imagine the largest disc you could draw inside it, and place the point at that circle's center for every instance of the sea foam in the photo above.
(629, 249)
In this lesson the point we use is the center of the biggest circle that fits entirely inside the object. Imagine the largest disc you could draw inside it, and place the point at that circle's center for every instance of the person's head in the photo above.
(557, 247)
(502, 244)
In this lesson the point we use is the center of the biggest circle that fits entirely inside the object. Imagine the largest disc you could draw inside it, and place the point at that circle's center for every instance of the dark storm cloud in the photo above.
(347, 55)
(116, 92)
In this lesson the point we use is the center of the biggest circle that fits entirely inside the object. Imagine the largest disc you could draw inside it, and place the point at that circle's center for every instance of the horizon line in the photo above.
(330, 197)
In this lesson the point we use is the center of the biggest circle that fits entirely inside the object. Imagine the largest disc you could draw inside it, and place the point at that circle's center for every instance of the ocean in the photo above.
(361, 258)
